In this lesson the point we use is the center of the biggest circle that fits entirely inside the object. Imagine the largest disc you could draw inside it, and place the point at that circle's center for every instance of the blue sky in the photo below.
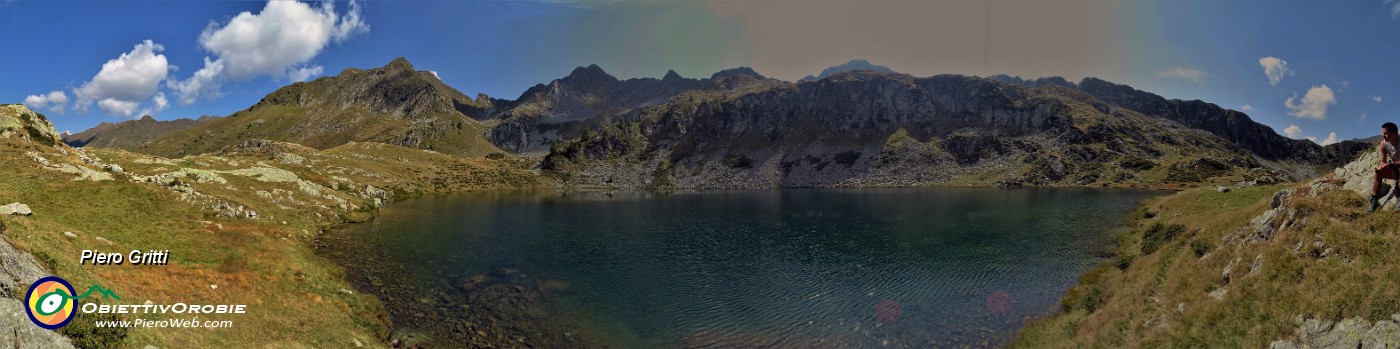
(1334, 63)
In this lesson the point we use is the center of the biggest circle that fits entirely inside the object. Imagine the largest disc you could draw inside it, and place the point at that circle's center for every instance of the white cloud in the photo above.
(54, 101)
(1331, 138)
(1185, 73)
(303, 73)
(1363, 117)
(1293, 131)
(1275, 69)
(283, 34)
(1246, 107)
(273, 42)
(158, 104)
(1377, 99)
(435, 74)
(1394, 8)
(117, 106)
(1314, 104)
(125, 80)
(204, 83)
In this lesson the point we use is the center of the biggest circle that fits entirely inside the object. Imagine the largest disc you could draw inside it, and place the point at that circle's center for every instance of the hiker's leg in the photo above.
(1390, 171)
(1376, 181)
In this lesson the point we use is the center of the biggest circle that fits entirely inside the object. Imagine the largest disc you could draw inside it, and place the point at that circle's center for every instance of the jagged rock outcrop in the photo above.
(1357, 176)
(1038, 82)
(1268, 224)
(1230, 124)
(1347, 333)
(558, 110)
(19, 121)
(870, 128)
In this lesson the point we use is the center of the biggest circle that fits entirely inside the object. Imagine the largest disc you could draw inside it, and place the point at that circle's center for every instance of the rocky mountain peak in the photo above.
(146, 118)
(671, 75)
(853, 65)
(399, 64)
(740, 71)
(395, 89)
(589, 76)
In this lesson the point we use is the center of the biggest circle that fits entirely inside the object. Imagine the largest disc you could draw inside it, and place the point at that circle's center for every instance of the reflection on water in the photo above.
(867, 268)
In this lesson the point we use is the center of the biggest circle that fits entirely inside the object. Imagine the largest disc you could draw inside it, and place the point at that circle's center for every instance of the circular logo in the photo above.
(50, 302)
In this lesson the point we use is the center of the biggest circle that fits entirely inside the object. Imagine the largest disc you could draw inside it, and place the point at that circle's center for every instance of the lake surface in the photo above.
(840, 268)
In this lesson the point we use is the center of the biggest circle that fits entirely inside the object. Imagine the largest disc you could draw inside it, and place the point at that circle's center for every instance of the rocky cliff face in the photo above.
(131, 134)
(560, 109)
(1232, 125)
(738, 128)
(394, 104)
(869, 128)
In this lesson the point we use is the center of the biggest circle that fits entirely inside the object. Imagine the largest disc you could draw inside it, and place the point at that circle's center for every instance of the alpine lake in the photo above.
(790, 268)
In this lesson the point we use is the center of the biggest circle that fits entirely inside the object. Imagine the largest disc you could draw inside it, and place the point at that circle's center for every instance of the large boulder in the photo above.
(19, 121)
(20, 333)
(15, 209)
(1347, 333)
(1358, 174)
(17, 270)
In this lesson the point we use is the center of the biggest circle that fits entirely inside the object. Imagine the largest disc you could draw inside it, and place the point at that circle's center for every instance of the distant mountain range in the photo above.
(131, 134)
(856, 124)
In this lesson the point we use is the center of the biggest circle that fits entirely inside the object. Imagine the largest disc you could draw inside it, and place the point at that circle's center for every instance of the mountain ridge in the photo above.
(394, 104)
(131, 134)
(853, 65)
(590, 117)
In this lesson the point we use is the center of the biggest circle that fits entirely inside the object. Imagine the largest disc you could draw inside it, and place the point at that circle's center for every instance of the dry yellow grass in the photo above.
(1335, 261)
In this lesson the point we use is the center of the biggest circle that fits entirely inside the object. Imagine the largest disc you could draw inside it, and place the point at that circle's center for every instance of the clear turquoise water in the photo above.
(851, 268)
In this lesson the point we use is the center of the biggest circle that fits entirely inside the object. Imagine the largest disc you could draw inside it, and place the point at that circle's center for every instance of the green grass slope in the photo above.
(393, 104)
(241, 227)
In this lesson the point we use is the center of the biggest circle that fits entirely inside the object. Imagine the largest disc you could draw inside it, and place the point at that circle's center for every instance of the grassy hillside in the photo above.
(393, 104)
(199, 208)
(291, 123)
(1239, 269)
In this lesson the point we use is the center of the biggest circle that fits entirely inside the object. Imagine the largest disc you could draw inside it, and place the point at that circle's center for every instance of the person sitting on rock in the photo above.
(1389, 168)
